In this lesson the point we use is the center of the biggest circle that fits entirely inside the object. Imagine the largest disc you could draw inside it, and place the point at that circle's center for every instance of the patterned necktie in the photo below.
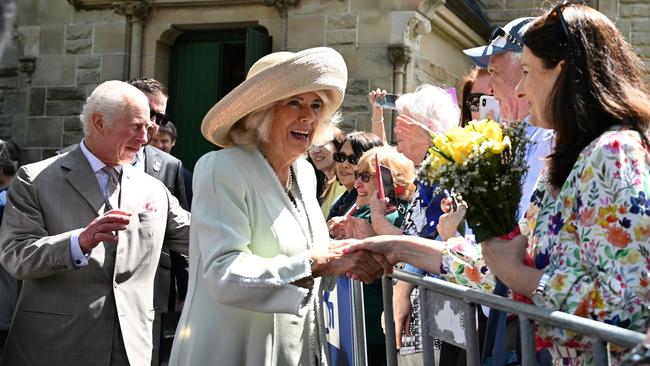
(112, 189)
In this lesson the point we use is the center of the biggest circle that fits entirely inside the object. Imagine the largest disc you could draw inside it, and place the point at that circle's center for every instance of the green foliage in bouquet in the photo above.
(485, 162)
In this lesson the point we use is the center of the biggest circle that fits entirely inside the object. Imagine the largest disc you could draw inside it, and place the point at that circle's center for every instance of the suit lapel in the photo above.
(152, 162)
(83, 179)
(263, 165)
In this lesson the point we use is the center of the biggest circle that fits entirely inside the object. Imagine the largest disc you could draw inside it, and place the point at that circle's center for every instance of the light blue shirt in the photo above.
(138, 162)
(539, 148)
(78, 257)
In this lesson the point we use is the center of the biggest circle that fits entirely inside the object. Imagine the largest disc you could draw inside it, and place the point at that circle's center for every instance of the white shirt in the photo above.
(78, 257)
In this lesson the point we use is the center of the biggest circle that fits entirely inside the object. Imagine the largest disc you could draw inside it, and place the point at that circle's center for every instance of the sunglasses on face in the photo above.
(473, 100)
(365, 176)
(342, 157)
(158, 118)
(500, 37)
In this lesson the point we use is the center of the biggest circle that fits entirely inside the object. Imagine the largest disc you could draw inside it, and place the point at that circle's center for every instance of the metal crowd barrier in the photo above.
(451, 300)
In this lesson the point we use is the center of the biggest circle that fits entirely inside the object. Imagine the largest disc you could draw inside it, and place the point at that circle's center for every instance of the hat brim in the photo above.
(480, 56)
(315, 69)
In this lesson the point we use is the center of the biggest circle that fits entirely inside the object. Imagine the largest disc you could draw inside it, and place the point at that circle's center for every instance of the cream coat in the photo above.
(247, 244)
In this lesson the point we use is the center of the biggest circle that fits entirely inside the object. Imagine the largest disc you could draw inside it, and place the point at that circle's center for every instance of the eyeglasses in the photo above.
(500, 37)
(365, 176)
(158, 118)
(473, 100)
(342, 157)
(565, 27)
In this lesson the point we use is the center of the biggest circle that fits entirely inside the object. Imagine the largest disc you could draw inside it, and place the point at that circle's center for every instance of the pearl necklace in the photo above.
(289, 185)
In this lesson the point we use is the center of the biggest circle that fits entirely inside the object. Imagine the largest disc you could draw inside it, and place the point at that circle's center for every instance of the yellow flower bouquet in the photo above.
(485, 163)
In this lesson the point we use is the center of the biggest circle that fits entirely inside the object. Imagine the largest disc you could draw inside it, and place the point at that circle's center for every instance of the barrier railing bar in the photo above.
(428, 355)
(600, 352)
(389, 321)
(359, 328)
(471, 335)
(605, 332)
(527, 333)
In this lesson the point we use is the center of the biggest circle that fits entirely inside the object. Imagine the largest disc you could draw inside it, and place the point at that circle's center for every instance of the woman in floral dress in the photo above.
(588, 225)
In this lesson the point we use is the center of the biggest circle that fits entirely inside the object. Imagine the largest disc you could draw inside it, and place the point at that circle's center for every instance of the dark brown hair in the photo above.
(149, 86)
(601, 83)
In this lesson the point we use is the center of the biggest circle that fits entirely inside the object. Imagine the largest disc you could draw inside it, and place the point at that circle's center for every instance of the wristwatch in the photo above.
(639, 355)
(539, 295)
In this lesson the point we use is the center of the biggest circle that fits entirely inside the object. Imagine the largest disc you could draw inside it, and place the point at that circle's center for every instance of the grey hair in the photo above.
(110, 99)
(431, 106)
(254, 129)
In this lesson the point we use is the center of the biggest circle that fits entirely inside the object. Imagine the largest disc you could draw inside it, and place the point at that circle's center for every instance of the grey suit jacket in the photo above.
(65, 315)
(168, 170)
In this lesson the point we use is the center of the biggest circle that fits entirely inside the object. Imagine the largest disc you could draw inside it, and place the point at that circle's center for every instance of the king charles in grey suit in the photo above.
(88, 271)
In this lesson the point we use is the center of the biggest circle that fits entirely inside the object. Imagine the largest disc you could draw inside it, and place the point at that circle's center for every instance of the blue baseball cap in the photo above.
(506, 39)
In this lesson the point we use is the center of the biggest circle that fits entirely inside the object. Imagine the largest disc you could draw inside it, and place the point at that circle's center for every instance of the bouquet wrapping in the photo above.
(484, 162)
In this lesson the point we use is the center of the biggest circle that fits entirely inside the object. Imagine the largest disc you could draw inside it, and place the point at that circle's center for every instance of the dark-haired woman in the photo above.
(475, 84)
(589, 221)
(354, 145)
(588, 225)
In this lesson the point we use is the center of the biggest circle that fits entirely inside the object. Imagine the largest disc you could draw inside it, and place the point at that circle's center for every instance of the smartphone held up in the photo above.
(386, 101)
(488, 108)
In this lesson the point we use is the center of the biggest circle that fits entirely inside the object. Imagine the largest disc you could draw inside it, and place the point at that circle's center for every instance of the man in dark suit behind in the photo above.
(171, 278)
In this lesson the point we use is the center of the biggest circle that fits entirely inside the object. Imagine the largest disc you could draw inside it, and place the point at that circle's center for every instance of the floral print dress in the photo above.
(592, 237)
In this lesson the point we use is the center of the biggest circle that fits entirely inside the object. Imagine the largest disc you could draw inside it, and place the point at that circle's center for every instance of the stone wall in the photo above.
(57, 57)
(632, 17)
(60, 53)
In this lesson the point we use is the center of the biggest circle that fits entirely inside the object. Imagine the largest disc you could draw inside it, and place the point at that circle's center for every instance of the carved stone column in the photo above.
(136, 13)
(400, 56)
(282, 7)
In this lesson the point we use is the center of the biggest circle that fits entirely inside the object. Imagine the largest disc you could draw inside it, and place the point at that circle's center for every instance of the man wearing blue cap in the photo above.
(502, 58)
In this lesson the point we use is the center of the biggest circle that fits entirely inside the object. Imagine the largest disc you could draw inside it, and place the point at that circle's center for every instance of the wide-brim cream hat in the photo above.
(275, 77)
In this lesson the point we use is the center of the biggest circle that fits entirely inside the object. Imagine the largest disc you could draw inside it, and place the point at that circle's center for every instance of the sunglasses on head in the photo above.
(500, 36)
(473, 100)
(565, 27)
(158, 118)
(342, 157)
(365, 176)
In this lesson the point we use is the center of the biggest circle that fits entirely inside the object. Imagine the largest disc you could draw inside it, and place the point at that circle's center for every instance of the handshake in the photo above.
(363, 260)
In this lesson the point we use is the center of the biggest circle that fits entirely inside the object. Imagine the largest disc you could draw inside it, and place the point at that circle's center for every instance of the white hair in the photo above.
(430, 105)
(515, 56)
(111, 99)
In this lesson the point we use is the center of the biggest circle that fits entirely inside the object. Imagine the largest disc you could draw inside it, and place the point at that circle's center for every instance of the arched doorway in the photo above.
(204, 66)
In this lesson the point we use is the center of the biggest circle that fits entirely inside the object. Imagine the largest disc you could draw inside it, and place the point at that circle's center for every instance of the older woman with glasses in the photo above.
(397, 179)
(587, 229)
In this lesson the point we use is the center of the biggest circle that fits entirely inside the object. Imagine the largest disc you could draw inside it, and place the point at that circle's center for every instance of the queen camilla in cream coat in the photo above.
(259, 247)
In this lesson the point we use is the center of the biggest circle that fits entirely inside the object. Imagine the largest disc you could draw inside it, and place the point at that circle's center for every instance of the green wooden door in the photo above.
(205, 66)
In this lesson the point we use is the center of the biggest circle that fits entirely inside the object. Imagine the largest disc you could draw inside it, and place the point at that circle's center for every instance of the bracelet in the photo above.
(377, 120)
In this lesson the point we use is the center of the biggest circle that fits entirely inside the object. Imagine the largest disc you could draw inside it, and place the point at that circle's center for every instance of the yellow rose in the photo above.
(436, 162)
